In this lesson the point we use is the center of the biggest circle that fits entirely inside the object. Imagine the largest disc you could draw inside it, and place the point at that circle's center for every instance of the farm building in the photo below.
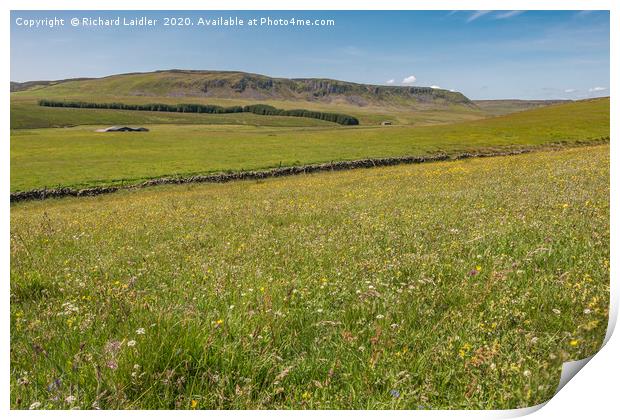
(116, 128)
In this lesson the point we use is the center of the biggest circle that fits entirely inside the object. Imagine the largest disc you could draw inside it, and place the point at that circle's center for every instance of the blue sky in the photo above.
(485, 55)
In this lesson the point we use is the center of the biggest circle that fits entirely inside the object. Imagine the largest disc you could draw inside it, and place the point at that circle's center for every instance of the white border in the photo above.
(593, 392)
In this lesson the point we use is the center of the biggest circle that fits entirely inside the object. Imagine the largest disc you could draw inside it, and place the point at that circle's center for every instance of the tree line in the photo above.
(260, 109)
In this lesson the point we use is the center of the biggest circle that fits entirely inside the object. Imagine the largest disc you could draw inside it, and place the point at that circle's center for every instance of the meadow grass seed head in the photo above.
(112, 347)
(55, 384)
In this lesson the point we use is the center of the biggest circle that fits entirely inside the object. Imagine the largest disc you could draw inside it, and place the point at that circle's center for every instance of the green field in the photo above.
(508, 106)
(26, 113)
(80, 157)
(446, 285)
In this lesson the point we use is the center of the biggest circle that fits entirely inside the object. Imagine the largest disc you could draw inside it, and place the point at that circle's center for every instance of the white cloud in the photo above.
(477, 15)
(597, 89)
(570, 90)
(508, 14)
(409, 80)
(435, 87)
(390, 82)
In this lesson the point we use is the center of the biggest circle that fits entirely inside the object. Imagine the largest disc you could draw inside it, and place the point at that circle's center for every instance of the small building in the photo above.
(116, 128)
(386, 122)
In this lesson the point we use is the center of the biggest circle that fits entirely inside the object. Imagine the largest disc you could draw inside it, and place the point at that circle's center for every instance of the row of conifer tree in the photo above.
(260, 109)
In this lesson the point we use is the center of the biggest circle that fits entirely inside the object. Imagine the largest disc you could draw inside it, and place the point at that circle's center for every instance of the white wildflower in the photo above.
(69, 308)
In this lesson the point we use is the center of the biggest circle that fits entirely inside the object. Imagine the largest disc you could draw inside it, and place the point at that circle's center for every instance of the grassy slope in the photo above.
(347, 290)
(78, 156)
(178, 87)
(25, 113)
(230, 84)
(508, 106)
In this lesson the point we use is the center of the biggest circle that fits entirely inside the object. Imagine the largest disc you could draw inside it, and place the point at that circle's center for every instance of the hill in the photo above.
(507, 106)
(241, 85)
(35, 84)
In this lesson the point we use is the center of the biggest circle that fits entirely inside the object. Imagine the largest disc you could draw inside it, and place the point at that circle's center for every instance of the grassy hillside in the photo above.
(237, 85)
(372, 104)
(447, 285)
(80, 157)
(25, 112)
(508, 106)
(38, 84)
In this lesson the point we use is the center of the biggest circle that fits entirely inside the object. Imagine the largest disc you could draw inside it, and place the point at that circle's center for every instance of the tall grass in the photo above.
(448, 285)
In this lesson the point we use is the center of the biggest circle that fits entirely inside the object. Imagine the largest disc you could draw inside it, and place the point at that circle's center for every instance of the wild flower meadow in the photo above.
(446, 285)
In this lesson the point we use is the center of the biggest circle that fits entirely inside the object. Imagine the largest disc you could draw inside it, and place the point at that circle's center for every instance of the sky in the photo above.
(483, 54)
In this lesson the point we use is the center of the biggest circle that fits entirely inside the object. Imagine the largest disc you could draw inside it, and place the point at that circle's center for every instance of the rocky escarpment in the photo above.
(241, 85)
